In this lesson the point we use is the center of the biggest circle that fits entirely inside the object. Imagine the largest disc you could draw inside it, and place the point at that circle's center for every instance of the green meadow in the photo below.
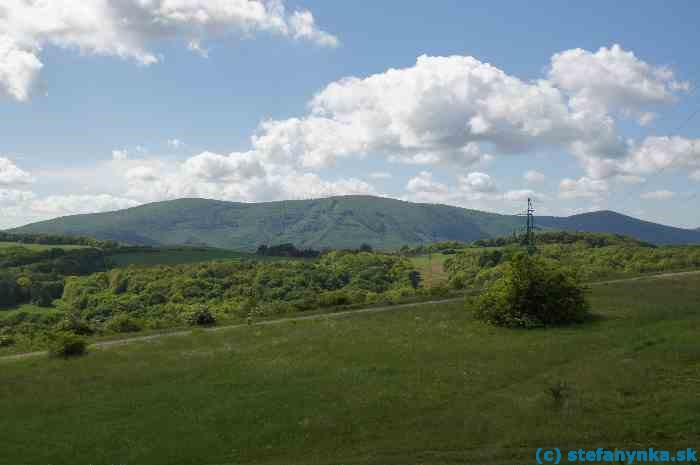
(425, 385)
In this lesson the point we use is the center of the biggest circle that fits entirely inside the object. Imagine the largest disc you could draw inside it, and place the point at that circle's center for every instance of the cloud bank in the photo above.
(452, 113)
(128, 28)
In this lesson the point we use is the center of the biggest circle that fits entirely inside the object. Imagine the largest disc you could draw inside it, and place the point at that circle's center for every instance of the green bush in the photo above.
(6, 341)
(334, 298)
(123, 323)
(65, 344)
(200, 316)
(532, 292)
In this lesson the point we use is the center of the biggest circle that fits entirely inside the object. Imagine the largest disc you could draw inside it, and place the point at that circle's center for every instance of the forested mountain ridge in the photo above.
(607, 221)
(334, 222)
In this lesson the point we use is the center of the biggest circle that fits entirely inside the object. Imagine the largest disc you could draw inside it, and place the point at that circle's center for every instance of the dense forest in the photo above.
(55, 239)
(91, 298)
(85, 290)
(37, 276)
(590, 256)
(566, 237)
(239, 287)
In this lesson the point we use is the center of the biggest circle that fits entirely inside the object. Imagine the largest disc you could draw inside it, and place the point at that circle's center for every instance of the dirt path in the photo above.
(319, 316)
(640, 278)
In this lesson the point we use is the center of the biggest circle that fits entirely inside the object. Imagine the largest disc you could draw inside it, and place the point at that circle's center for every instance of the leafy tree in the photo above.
(65, 344)
(533, 291)
(123, 323)
(200, 316)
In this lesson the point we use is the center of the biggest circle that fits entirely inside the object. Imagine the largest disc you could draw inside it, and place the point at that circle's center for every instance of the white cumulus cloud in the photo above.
(613, 80)
(10, 173)
(521, 195)
(582, 188)
(175, 143)
(534, 177)
(127, 28)
(59, 205)
(459, 111)
(380, 175)
(477, 183)
(658, 195)
(236, 176)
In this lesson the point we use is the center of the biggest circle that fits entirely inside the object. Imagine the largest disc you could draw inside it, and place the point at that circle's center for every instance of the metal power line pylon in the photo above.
(528, 239)
(530, 226)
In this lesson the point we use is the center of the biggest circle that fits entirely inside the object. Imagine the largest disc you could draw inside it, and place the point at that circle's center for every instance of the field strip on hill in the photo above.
(317, 316)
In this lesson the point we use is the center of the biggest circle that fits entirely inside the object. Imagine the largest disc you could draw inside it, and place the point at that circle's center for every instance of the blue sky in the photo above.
(93, 121)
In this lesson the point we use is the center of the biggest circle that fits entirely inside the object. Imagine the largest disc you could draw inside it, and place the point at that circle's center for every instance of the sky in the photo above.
(108, 104)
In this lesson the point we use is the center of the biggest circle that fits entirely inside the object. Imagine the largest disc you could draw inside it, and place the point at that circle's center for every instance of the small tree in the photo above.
(122, 323)
(200, 316)
(532, 292)
(65, 344)
(6, 340)
(74, 324)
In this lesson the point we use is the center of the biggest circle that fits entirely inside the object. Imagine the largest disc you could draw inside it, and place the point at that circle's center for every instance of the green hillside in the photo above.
(335, 222)
(609, 221)
(422, 385)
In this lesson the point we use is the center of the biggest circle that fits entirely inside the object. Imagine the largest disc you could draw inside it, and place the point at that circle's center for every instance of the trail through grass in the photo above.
(427, 385)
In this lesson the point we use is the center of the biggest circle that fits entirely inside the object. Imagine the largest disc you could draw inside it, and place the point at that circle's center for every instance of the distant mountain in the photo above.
(336, 222)
(611, 222)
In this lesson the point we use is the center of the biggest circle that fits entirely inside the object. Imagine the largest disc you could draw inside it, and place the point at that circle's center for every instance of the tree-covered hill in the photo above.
(611, 222)
(335, 222)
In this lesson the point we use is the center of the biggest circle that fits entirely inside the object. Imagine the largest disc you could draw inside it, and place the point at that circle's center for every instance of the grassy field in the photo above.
(5, 245)
(180, 256)
(423, 386)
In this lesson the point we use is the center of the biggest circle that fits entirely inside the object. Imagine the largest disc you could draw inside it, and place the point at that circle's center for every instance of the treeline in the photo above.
(291, 251)
(444, 247)
(52, 239)
(286, 250)
(37, 276)
(127, 299)
(566, 237)
(590, 261)
(239, 287)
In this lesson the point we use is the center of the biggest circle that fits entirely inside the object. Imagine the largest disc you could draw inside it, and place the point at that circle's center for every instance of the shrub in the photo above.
(6, 340)
(333, 298)
(558, 391)
(357, 296)
(200, 316)
(533, 292)
(65, 344)
(123, 323)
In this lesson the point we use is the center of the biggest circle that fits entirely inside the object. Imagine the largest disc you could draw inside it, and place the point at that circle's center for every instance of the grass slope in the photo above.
(335, 222)
(427, 385)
